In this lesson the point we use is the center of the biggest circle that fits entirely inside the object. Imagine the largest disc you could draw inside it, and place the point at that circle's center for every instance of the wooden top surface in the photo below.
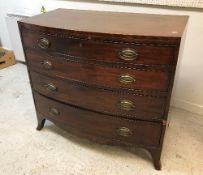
(112, 22)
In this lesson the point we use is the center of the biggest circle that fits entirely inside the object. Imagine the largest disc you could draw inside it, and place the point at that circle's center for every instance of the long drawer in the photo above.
(85, 122)
(111, 102)
(88, 48)
(109, 76)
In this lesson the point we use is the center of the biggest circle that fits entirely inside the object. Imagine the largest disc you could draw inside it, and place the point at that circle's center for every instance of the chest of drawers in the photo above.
(104, 76)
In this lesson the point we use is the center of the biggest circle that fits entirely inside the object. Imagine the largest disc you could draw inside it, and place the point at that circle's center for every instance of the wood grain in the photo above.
(100, 100)
(99, 75)
(103, 51)
(112, 22)
(100, 125)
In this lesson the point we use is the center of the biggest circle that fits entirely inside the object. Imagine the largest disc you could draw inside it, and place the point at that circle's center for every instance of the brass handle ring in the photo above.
(126, 105)
(50, 87)
(54, 111)
(47, 64)
(124, 131)
(128, 54)
(126, 79)
(44, 43)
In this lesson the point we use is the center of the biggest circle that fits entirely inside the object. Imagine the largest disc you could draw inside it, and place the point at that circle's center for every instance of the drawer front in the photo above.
(95, 124)
(115, 77)
(101, 100)
(147, 54)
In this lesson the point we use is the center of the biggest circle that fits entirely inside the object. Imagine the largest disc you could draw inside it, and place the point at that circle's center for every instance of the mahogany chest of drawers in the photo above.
(104, 76)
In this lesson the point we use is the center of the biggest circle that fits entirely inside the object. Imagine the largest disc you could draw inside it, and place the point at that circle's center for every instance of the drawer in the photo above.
(108, 76)
(85, 122)
(106, 101)
(147, 54)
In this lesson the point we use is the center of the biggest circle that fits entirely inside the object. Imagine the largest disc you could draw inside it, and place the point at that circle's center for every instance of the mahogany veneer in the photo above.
(104, 76)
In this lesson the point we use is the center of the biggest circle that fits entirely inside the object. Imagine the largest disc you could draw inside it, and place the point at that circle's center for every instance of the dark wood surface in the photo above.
(99, 37)
(99, 99)
(100, 125)
(98, 74)
(84, 52)
(148, 54)
(112, 22)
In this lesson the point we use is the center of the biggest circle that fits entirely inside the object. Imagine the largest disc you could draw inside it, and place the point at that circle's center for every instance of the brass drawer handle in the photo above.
(47, 64)
(50, 87)
(44, 43)
(126, 105)
(128, 54)
(124, 131)
(54, 111)
(126, 79)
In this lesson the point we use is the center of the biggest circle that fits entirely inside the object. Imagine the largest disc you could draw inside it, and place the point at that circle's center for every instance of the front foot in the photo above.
(41, 123)
(156, 156)
(157, 165)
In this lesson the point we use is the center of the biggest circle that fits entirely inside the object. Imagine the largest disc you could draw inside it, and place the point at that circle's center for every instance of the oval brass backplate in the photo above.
(124, 131)
(54, 111)
(128, 54)
(126, 79)
(43, 43)
(50, 87)
(47, 64)
(126, 105)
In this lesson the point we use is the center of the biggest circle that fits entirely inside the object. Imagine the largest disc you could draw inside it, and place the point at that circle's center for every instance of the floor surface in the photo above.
(51, 151)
